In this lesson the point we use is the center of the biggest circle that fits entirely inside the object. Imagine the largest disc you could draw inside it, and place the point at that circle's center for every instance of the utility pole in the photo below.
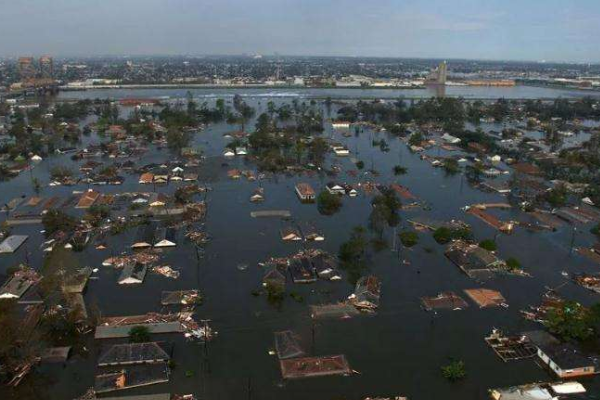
(249, 388)
(312, 332)
(205, 334)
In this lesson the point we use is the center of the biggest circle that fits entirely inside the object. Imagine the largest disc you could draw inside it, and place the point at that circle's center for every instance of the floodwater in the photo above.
(467, 92)
(398, 351)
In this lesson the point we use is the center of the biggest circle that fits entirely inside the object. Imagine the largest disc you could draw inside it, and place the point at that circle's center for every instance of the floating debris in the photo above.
(166, 271)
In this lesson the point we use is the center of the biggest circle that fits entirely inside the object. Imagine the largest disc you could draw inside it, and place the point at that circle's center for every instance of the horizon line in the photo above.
(272, 55)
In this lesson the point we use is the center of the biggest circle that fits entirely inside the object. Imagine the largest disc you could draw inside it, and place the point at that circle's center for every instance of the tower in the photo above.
(46, 66)
(442, 71)
(26, 68)
(438, 75)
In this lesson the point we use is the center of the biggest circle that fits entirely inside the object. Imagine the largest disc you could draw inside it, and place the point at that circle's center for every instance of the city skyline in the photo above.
(537, 31)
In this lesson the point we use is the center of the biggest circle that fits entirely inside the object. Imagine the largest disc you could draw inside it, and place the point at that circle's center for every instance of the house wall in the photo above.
(566, 373)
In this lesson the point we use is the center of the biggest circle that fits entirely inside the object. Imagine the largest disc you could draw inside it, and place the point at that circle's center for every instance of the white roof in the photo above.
(568, 388)
(12, 243)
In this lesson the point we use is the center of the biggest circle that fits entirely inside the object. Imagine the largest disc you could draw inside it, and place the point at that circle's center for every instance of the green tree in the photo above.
(416, 139)
(139, 334)
(571, 321)
(454, 371)
(400, 170)
(445, 234)
(451, 166)
(488, 244)
(318, 148)
(386, 206)
(176, 139)
(513, 264)
(557, 197)
(352, 254)
(409, 238)
(55, 220)
(328, 203)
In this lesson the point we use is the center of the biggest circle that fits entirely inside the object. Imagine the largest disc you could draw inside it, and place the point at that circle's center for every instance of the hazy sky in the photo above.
(553, 30)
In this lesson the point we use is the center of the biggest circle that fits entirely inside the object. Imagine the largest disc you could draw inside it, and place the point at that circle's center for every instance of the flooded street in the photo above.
(397, 351)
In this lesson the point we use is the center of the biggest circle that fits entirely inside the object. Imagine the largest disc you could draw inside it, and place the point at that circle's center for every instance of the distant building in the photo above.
(26, 68)
(46, 66)
(438, 75)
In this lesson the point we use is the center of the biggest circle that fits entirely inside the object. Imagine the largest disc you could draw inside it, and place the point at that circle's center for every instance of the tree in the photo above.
(97, 213)
(191, 104)
(408, 238)
(328, 203)
(377, 220)
(454, 371)
(400, 170)
(61, 172)
(513, 264)
(37, 185)
(488, 244)
(139, 334)
(474, 172)
(445, 234)
(318, 148)
(557, 197)
(56, 220)
(571, 321)
(416, 139)
(299, 148)
(387, 204)
(176, 139)
(352, 254)
(275, 292)
(10, 331)
(451, 166)
(271, 108)
(246, 112)
(220, 105)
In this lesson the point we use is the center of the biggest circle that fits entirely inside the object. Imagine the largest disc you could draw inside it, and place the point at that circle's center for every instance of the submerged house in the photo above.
(144, 237)
(566, 360)
(133, 273)
(473, 260)
(311, 233)
(325, 267)
(16, 286)
(287, 345)
(135, 353)
(12, 243)
(146, 178)
(340, 151)
(448, 138)
(289, 233)
(367, 293)
(87, 199)
(158, 200)
(541, 391)
(302, 270)
(131, 377)
(165, 237)
(273, 276)
(305, 192)
(334, 188)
